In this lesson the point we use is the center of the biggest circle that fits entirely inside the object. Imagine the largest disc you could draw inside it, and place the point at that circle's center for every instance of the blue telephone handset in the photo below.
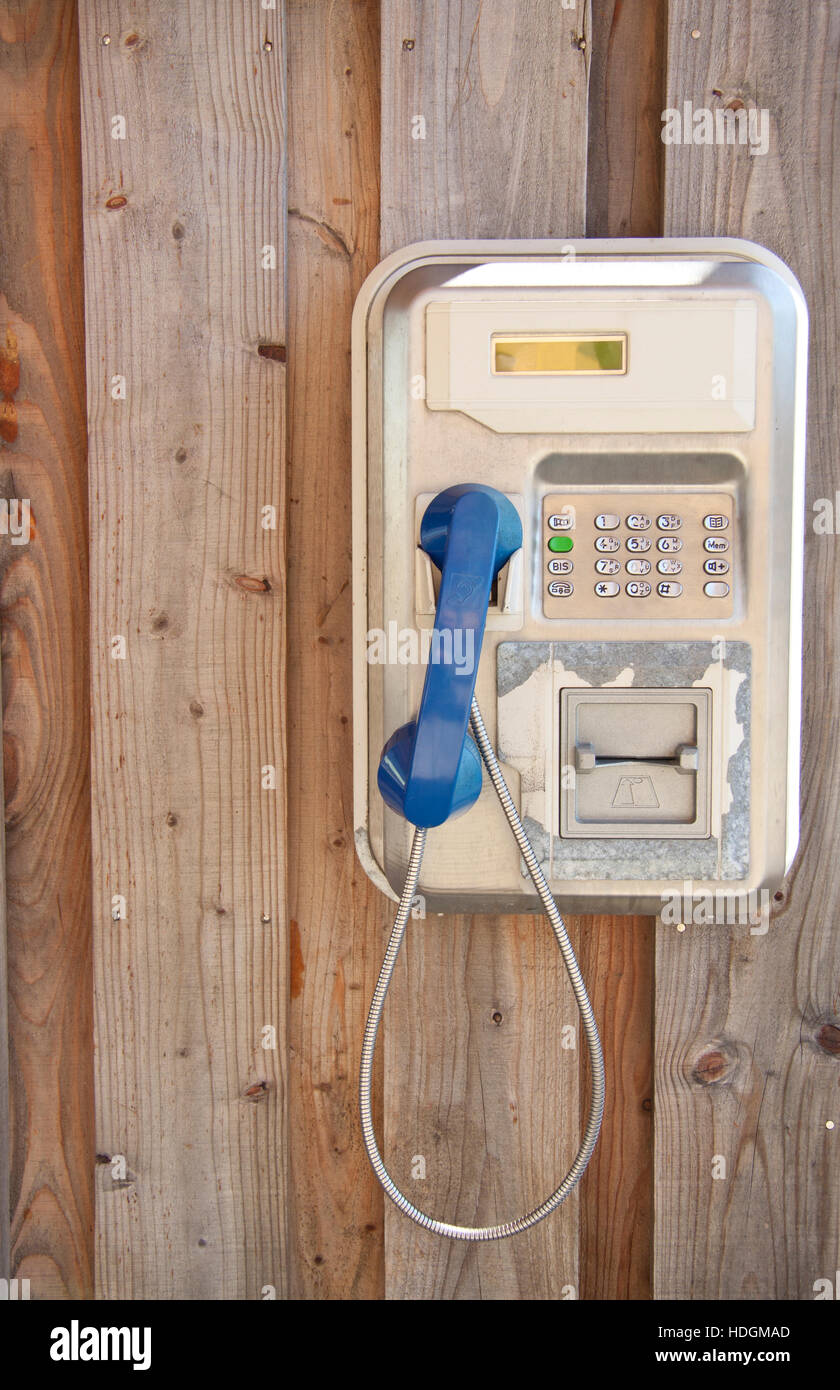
(430, 768)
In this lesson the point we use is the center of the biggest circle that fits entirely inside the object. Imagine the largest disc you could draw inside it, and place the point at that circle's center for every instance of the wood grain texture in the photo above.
(44, 617)
(626, 82)
(616, 1194)
(747, 1027)
(501, 89)
(623, 198)
(337, 917)
(180, 297)
(476, 1080)
(5, 1109)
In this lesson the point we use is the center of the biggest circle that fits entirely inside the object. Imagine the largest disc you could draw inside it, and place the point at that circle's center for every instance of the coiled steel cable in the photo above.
(590, 1028)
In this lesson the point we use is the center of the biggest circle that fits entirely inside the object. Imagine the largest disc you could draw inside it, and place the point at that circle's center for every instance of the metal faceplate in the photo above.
(677, 474)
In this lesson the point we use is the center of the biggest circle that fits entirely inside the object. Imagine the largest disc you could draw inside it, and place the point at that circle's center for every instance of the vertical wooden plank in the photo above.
(626, 82)
(623, 198)
(5, 1111)
(616, 1201)
(184, 211)
(337, 917)
(472, 1028)
(44, 616)
(747, 1027)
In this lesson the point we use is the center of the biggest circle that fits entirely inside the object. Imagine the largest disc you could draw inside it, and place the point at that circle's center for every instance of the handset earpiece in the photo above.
(430, 769)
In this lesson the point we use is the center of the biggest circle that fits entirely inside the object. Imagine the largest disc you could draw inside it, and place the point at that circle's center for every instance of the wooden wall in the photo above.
(236, 939)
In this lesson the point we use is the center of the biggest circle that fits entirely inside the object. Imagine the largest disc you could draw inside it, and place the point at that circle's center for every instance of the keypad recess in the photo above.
(638, 555)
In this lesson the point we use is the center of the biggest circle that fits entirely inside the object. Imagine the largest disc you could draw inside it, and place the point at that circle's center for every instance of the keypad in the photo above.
(631, 554)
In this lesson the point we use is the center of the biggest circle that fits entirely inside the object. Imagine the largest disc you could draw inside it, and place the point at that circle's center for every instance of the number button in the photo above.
(560, 566)
(716, 522)
(669, 566)
(637, 521)
(607, 543)
(607, 588)
(607, 566)
(562, 521)
(638, 588)
(606, 521)
(638, 544)
(669, 522)
(669, 588)
(638, 566)
(716, 545)
(716, 567)
(669, 545)
(716, 589)
(559, 588)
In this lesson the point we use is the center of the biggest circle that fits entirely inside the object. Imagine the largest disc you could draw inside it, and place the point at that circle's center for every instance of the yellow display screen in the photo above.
(555, 354)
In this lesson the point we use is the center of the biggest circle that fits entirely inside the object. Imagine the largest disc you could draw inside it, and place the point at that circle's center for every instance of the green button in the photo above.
(560, 543)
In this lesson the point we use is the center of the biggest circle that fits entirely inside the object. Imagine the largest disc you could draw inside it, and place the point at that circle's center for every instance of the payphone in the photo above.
(578, 483)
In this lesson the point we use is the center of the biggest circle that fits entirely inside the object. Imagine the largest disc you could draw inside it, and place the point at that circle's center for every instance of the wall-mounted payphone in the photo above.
(578, 497)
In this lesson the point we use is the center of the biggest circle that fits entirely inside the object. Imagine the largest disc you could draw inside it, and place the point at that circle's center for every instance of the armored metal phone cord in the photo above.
(590, 1028)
